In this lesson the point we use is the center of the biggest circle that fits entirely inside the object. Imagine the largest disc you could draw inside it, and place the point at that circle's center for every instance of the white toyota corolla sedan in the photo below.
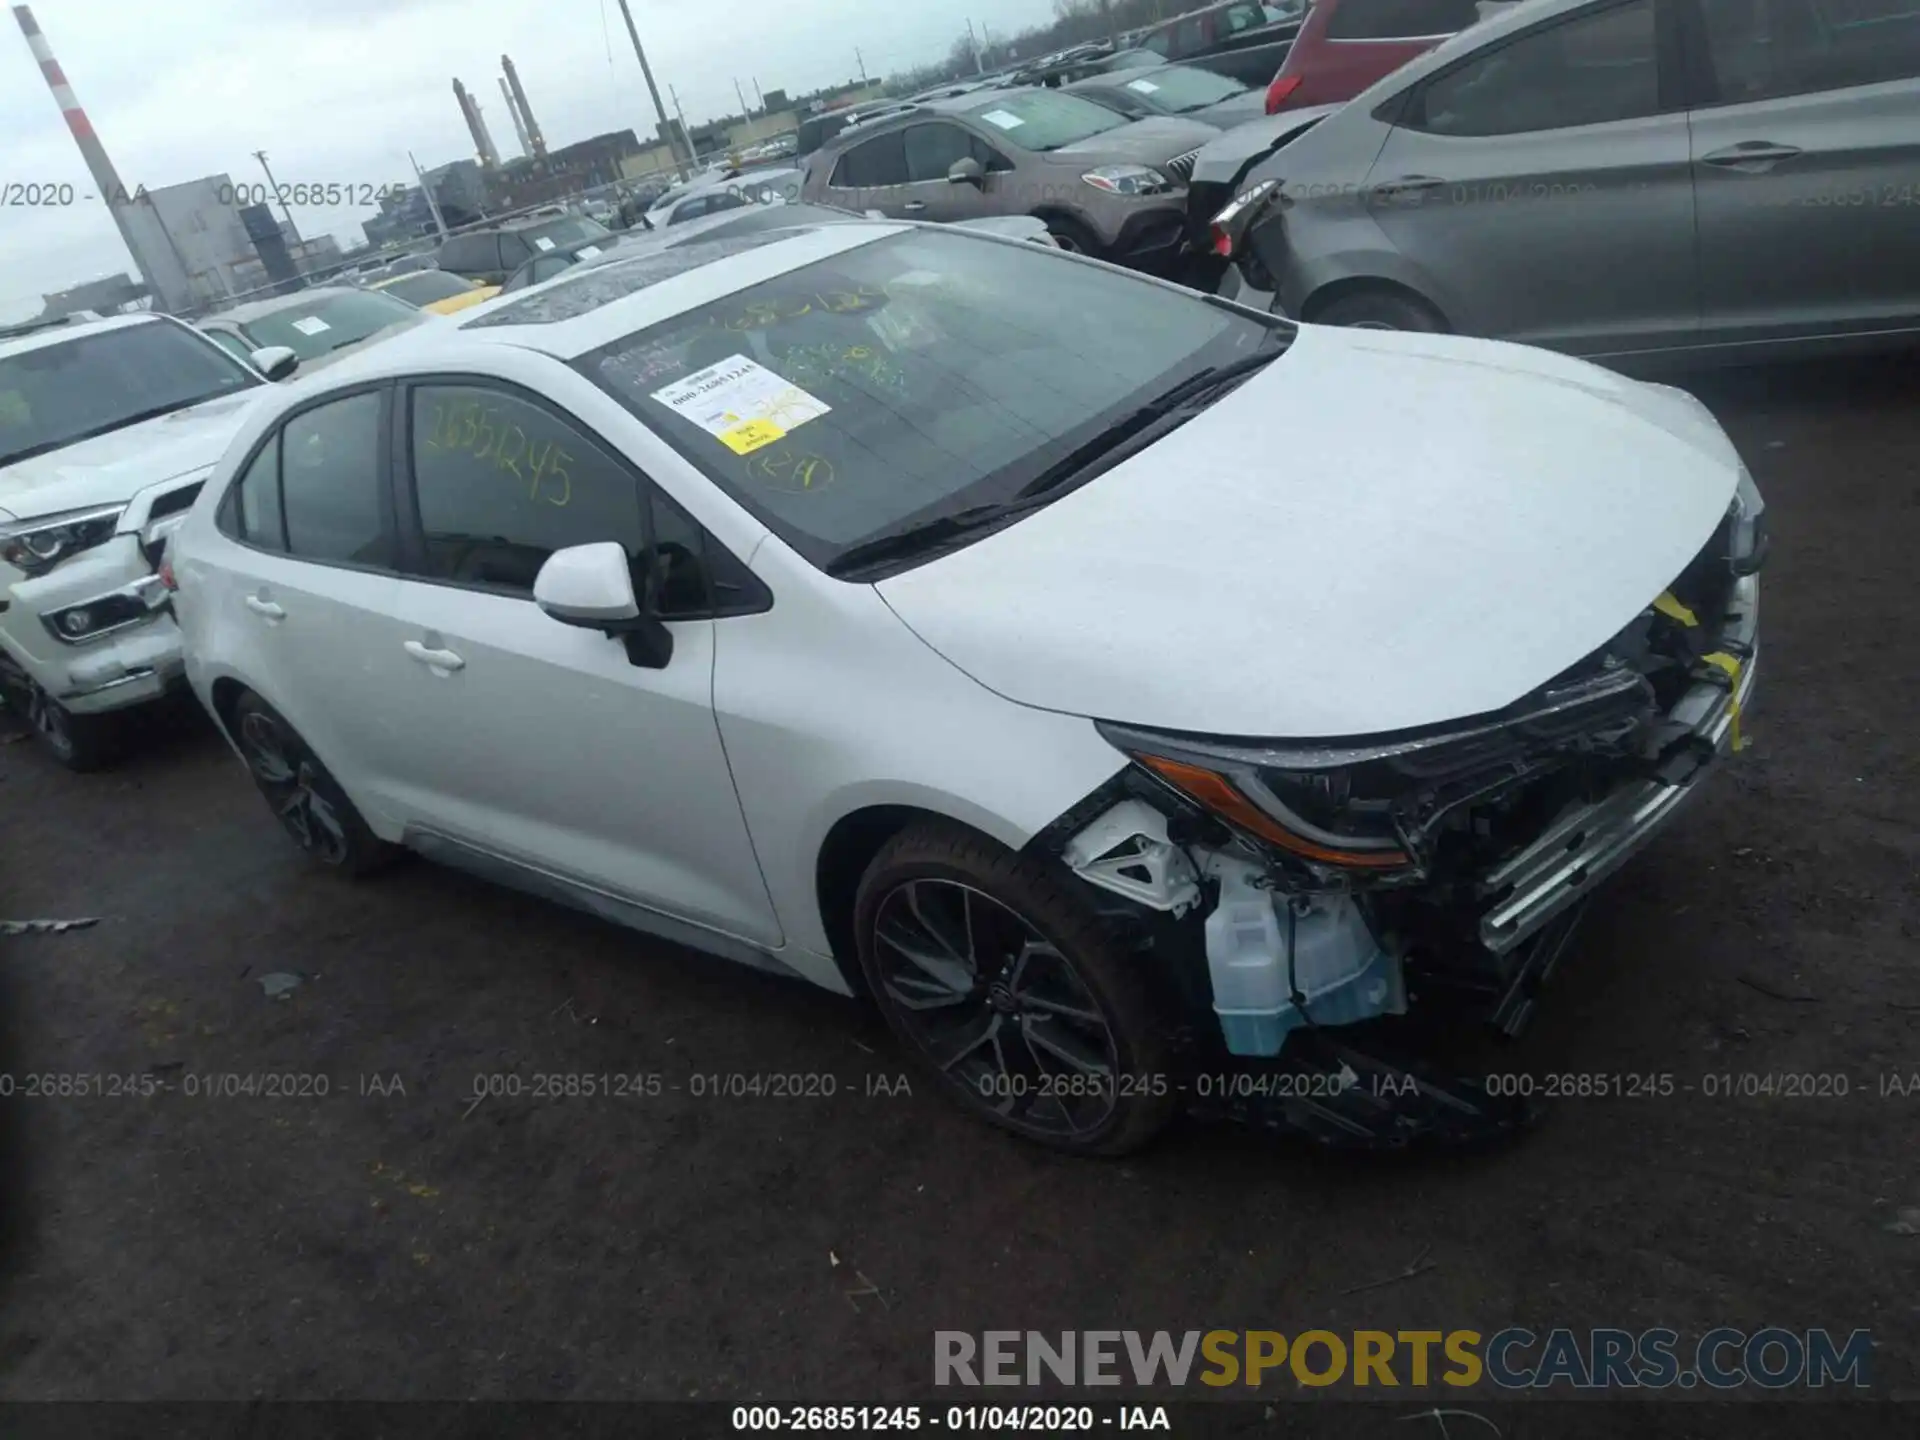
(1144, 700)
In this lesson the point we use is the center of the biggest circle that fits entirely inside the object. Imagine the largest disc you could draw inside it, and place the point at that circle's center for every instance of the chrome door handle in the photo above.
(434, 659)
(914, 205)
(266, 609)
(1757, 154)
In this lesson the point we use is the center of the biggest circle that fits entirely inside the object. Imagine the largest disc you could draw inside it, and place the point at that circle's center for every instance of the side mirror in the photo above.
(591, 586)
(276, 362)
(966, 171)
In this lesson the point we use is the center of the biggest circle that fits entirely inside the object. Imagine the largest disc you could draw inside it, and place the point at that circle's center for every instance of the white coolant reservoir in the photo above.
(1339, 972)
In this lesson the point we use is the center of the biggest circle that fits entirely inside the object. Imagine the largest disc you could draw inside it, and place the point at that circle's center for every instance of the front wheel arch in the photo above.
(1317, 304)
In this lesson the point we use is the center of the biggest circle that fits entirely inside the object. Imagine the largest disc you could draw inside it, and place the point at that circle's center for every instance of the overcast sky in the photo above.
(338, 91)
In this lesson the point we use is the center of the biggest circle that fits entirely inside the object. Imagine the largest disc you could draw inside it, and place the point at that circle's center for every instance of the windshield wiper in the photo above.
(1163, 413)
(137, 418)
(917, 538)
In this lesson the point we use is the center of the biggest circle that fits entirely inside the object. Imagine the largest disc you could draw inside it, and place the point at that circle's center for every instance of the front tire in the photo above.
(81, 743)
(1006, 986)
(303, 796)
(1073, 237)
(1380, 310)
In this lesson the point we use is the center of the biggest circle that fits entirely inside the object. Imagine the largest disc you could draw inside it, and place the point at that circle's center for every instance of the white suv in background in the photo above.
(107, 430)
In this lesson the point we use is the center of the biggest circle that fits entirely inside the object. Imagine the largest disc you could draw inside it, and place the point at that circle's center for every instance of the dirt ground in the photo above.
(395, 1239)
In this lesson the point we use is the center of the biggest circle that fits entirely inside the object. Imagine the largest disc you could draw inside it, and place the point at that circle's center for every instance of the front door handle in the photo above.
(1754, 157)
(914, 206)
(1407, 187)
(266, 609)
(442, 660)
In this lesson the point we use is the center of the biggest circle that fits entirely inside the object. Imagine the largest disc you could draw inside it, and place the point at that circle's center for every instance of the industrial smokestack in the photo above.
(519, 126)
(524, 110)
(476, 127)
(166, 283)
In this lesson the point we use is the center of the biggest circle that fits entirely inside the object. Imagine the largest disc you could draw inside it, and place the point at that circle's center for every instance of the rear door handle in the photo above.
(914, 205)
(444, 660)
(1755, 157)
(266, 609)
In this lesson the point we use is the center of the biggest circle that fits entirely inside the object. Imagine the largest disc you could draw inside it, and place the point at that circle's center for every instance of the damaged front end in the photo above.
(1325, 888)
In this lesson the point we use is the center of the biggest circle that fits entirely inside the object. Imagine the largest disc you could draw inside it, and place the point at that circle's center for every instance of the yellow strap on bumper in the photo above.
(1721, 660)
(1667, 605)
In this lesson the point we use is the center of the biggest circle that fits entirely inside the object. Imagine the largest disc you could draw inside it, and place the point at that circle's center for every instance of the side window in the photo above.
(1191, 36)
(1160, 42)
(230, 343)
(876, 162)
(513, 250)
(677, 587)
(500, 483)
(1762, 49)
(250, 511)
(1598, 68)
(330, 483)
(932, 150)
(1243, 17)
(1399, 19)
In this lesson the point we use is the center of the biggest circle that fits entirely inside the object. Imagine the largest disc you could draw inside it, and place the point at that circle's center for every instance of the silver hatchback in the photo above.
(1103, 184)
(1704, 179)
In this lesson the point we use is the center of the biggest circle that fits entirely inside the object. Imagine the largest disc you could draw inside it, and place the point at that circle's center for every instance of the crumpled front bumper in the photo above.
(116, 668)
(1528, 890)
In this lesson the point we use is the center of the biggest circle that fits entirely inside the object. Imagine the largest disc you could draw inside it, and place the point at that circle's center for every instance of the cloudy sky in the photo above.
(338, 91)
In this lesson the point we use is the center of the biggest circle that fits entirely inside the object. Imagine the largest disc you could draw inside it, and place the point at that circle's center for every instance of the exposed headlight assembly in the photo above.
(1747, 529)
(1367, 808)
(1128, 180)
(36, 546)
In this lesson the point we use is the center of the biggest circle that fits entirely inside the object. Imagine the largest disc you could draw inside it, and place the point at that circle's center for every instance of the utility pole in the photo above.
(759, 95)
(746, 111)
(680, 161)
(432, 204)
(860, 60)
(979, 66)
(1113, 25)
(273, 188)
(986, 38)
(685, 134)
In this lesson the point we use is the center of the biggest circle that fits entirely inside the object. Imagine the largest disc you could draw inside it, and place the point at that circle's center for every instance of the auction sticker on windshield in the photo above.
(1005, 119)
(542, 242)
(741, 403)
(1145, 87)
(312, 325)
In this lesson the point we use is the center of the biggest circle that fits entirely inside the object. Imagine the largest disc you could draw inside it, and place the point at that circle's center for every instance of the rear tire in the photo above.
(1006, 987)
(303, 796)
(1380, 310)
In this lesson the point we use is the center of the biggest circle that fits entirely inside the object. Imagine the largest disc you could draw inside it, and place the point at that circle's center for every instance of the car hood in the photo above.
(1221, 160)
(110, 468)
(1234, 111)
(1144, 142)
(1378, 532)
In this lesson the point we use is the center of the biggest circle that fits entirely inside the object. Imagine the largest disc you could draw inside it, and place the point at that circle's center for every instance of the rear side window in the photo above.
(330, 492)
(501, 483)
(1244, 17)
(1601, 67)
(251, 510)
(879, 161)
(1762, 49)
(1399, 19)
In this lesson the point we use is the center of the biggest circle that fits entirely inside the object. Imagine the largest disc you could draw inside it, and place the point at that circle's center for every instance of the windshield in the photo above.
(566, 232)
(1046, 119)
(55, 395)
(328, 322)
(428, 286)
(910, 377)
(1175, 89)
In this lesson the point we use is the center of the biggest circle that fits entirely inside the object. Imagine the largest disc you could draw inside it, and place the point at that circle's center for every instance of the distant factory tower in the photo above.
(523, 112)
(134, 228)
(519, 128)
(476, 127)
